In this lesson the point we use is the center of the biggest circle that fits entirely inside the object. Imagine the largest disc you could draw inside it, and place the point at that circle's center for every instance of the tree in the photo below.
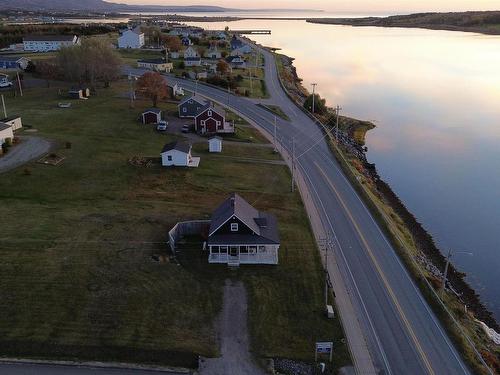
(222, 67)
(173, 43)
(319, 104)
(91, 62)
(48, 69)
(202, 51)
(153, 86)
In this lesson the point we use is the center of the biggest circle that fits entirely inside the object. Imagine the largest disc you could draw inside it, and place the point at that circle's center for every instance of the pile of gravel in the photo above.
(289, 367)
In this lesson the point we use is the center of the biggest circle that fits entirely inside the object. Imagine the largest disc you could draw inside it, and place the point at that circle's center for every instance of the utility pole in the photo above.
(445, 274)
(314, 97)
(448, 258)
(326, 269)
(19, 83)
(293, 165)
(337, 125)
(275, 139)
(4, 110)
(131, 89)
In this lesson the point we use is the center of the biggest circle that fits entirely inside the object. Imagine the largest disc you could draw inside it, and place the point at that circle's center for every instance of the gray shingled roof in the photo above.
(154, 110)
(263, 224)
(4, 126)
(196, 98)
(48, 38)
(179, 146)
(12, 58)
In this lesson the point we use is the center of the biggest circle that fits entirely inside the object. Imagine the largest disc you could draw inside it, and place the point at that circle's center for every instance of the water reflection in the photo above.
(434, 96)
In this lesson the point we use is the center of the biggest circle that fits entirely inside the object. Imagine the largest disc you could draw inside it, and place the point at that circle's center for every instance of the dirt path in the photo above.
(30, 148)
(233, 335)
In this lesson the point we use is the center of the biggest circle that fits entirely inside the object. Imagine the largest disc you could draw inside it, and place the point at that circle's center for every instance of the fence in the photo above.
(183, 228)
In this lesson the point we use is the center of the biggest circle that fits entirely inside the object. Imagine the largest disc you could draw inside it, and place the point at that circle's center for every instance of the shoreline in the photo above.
(482, 22)
(423, 239)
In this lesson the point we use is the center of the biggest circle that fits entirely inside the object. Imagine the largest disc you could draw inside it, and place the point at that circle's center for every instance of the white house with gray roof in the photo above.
(241, 234)
(46, 43)
(133, 38)
(178, 154)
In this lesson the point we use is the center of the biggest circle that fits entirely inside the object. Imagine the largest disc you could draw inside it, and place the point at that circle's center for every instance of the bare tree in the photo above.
(91, 62)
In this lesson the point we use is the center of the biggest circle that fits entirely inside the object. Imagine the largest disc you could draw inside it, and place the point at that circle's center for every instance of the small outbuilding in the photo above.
(178, 154)
(151, 116)
(75, 94)
(14, 122)
(215, 144)
(6, 134)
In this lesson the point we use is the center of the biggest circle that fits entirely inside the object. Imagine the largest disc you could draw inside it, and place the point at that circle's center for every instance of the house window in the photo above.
(262, 249)
(215, 249)
(234, 227)
(223, 249)
(169, 157)
(243, 249)
(252, 249)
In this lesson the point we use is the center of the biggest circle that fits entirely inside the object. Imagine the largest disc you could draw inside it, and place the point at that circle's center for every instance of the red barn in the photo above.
(212, 120)
(151, 116)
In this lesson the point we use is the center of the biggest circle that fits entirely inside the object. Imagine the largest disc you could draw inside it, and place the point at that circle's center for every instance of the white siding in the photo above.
(130, 39)
(214, 145)
(178, 158)
(47, 45)
(5, 134)
(15, 124)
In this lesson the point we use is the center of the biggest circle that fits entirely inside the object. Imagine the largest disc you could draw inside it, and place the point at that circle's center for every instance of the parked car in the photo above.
(186, 129)
(4, 82)
(162, 126)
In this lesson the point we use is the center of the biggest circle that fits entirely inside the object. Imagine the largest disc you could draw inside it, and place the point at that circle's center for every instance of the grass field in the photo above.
(77, 279)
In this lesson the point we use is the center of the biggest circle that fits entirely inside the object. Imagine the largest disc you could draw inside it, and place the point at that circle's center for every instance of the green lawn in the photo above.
(276, 110)
(77, 279)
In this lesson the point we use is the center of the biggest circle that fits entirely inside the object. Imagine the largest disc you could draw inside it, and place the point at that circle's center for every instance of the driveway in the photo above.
(233, 335)
(30, 148)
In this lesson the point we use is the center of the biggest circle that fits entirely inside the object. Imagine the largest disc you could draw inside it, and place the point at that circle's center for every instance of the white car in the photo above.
(162, 126)
(4, 82)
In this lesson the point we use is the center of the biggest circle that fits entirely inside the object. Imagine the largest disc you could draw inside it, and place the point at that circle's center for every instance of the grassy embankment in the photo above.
(487, 22)
(388, 214)
(77, 279)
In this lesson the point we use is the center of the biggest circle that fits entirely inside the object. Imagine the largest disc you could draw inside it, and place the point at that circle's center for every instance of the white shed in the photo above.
(5, 134)
(14, 122)
(215, 144)
(178, 154)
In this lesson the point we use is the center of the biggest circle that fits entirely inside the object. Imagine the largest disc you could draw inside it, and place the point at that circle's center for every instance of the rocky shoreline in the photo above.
(423, 240)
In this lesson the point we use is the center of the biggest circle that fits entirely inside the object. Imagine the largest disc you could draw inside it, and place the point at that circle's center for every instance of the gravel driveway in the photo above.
(233, 335)
(30, 148)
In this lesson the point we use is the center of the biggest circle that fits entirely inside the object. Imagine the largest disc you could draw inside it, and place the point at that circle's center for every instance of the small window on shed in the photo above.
(169, 157)
(184, 109)
(210, 113)
(234, 227)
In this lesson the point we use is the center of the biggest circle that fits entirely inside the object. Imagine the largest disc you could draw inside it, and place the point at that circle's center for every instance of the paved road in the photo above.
(403, 335)
(37, 369)
(30, 148)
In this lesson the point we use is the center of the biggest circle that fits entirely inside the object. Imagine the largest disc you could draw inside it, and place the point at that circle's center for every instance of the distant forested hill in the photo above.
(487, 22)
(99, 5)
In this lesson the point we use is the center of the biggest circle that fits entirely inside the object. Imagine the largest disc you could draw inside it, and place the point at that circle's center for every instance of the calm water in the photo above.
(435, 98)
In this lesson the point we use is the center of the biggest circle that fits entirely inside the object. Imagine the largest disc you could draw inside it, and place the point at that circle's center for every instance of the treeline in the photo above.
(10, 34)
(485, 22)
(93, 62)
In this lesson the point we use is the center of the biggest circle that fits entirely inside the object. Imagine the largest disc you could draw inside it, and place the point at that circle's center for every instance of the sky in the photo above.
(339, 5)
